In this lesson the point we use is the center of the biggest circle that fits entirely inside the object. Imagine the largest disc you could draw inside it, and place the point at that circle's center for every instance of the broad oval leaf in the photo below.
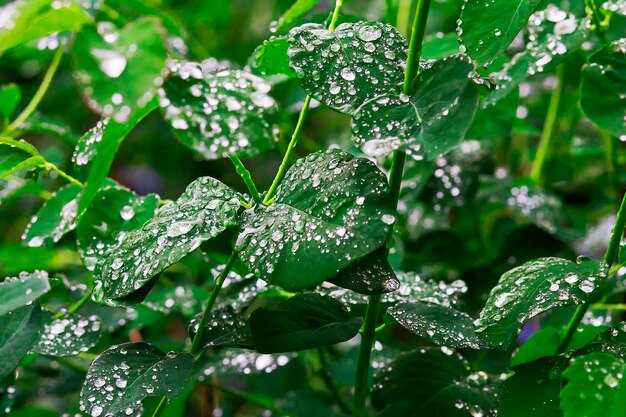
(122, 376)
(54, 219)
(603, 89)
(18, 331)
(67, 335)
(432, 121)
(369, 275)
(114, 212)
(118, 69)
(443, 326)
(204, 210)
(330, 204)
(217, 114)
(533, 288)
(485, 36)
(346, 67)
(16, 292)
(225, 327)
(595, 386)
(302, 322)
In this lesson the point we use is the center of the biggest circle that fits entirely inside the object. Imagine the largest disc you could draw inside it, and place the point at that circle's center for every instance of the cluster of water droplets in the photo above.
(225, 327)
(218, 113)
(205, 209)
(237, 362)
(88, 144)
(615, 6)
(67, 335)
(350, 65)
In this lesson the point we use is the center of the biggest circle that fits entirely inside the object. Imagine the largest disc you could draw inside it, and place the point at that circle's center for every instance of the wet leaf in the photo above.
(298, 9)
(611, 340)
(543, 343)
(122, 376)
(533, 391)
(302, 322)
(67, 335)
(443, 326)
(236, 362)
(533, 288)
(271, 57)
(217, 114)
(330, 204)
(432, 121)
(187, 300)
(369, 275)
(10, 97)
(117, 69)
(16, 292)
(603, 88)
(204, 210)
(55, 218)
(594, 386)
(485, 39)
(225, 327)
(114, 212)
(345, 68)
(18, 331)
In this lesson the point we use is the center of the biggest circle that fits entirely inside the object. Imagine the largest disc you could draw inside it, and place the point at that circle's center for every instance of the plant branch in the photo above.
(160, 407)
(599, 26)
(368, 337)
(246, 177)
(609, 258)
(545, 142)
(41, 91)
(51, 167)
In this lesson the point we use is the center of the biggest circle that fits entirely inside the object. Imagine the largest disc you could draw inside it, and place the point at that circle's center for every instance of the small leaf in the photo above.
(484, 39)
(204, 210)
(432, 121)
(443, 326)
(10, 97)
(122, 376)
(603, 88)
(345, 68)
(330, 204)
(543, 343)
(117, 70)
(296, 11)
(55, 218)
(271, 57)
(114, 212)
(533, 391)
(302, 322)
(16, 292)
(18, 331)
(217, 114)
(225, 327)
(369, 275)
(533, 288)
(67, 335)
(595, 386)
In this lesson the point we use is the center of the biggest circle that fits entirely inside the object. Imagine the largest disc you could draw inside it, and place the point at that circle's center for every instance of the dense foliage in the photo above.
(428, 221)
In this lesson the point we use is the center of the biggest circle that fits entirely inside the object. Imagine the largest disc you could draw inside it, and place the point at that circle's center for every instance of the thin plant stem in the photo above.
(160, 407)
(330, 384)
(51, 167)
(246, 177)
(415, 45)
(76, 306)
(545, 142)
(615, 307)
(609, 258)
(368, 337)
(41, 91)
(333, 20)
(599, 27)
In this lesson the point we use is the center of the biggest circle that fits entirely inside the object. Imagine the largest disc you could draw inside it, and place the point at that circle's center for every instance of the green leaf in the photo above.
(611, 340)
(603, 89)
(98, 148)
(187, 300)
(432, 121)
(295, 12)
(117, 70)
(16, 163)
(439, 45)
(67, 335)
(302, 322)
(485, 34)
(122, 376)
(16, 292)
(114, 212)
(594, 386)
(346, 67)
(330, 204)
(10, 97)
(19, 144)
(18, 331)
(533, 391)
(204, 210)
(533, 288)
(543, 343)
(217, 114)
(236, 362)
(443, 326)
(33, 19)
(55, 218)
(225, 327)
(272, 57)
(369, 275)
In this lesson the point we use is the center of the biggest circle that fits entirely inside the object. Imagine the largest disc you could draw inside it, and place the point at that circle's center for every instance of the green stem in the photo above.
(333, 20)
(368, 337)
(615, 307)
(160, 407)
(545, 142)
(599, 27)
(195, 344)
(246, 177)
(76, 306)
(330, 384)
(41, 91)
(609, 258)
(51, 167)
(415, 46)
